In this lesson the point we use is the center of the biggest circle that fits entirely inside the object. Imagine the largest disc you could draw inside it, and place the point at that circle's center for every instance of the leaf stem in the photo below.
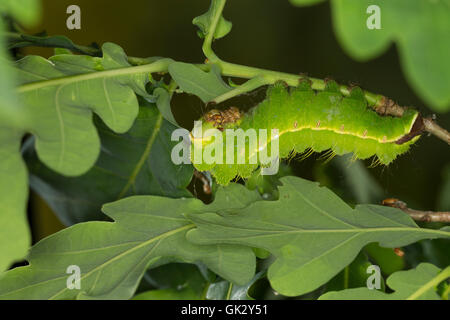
(219, 5)
(230, 290)
(157, 66)
(433, 128)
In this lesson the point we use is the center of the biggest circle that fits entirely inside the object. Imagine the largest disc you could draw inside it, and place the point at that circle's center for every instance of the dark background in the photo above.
(269, 34)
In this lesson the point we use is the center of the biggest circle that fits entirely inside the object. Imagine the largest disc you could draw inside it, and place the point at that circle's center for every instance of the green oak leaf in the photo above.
(311, 232)
(10, 114)
(69, 88)
(205, 22)
(420, 30)
(205, 85)
(416, 284)
(113, 256)
(134, 163)
(26, 12)
(361, 187)
(57, 98)
(15, 236)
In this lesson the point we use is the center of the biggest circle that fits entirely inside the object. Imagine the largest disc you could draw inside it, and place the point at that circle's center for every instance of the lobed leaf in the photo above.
(60, 95)
(311, 232)
(15, 237)
(113, 256)
(135, 163)
(56, 101)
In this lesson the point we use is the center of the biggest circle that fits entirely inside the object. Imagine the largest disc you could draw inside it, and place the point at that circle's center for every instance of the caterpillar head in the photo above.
(219, 119)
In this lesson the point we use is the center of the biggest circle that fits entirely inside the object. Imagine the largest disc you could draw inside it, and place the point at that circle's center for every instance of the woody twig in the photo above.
(385, 106)
(418, 215)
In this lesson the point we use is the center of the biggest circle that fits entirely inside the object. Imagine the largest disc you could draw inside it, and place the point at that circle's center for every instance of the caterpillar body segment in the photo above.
(296, 120)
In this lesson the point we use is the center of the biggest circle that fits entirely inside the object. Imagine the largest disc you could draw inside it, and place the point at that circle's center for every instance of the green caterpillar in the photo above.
(305, 120)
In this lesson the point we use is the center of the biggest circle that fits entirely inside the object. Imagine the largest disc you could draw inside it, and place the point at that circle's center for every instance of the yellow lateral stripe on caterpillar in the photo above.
(292, 122)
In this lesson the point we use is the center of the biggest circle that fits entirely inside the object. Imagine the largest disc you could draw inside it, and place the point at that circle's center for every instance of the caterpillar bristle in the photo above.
(375, 162)
(236, 178)
(327, 156)
(291, 156)
(324, 155)
(379, 163)
(354, 158)
(306, 154)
